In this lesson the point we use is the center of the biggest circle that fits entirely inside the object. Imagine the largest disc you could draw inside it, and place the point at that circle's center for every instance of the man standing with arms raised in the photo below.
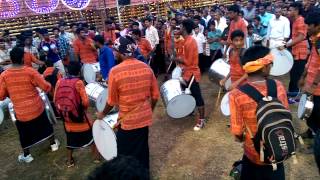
(134, 89)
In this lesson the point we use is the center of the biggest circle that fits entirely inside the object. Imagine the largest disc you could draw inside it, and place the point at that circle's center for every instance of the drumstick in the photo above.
(219, 95)
(192, 79)
(169, 66)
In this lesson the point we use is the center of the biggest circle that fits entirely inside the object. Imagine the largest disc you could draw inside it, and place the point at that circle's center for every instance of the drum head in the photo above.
(102, 100)
(105, 139)
(301, 107)
(221, 67)
(282, 63)
(181, 106)
(177, 72)
(89, 74)
(224, 106)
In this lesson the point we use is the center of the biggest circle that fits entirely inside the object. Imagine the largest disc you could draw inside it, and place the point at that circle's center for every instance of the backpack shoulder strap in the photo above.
(251, 92)
(272, 88)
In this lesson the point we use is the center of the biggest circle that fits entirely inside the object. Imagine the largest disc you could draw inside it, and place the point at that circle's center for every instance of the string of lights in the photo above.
(41, 7)
(76, 4)
(12, 10)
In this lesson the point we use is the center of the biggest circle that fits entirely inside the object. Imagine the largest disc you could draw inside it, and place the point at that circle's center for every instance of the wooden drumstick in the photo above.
(219, 96)
(169, 66)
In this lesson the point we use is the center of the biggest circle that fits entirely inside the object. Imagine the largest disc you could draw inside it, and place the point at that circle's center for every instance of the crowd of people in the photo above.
(133, 57)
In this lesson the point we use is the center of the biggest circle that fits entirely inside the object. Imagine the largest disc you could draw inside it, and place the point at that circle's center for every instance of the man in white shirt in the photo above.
(151, 33)
(201, 40)
(278, 30)
(220, 21)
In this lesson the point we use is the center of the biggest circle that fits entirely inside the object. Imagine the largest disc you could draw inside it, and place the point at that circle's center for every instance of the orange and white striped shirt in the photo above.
(243, 112)
(300, 50)
(132, 85)
(19, 84)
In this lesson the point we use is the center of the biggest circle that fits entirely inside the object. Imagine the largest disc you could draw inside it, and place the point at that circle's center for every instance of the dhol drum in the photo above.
(176, 73)
(219, 70)
(98, 94)
(178, 104)
(90, 71)
(48, 108)
(305, 107)
(3, 106)
(282, 63)
(104, 136)
(224, 106)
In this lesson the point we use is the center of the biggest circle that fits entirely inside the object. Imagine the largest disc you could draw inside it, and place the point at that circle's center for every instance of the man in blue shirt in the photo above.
(50, 48)
(106, 57)
(264, 16)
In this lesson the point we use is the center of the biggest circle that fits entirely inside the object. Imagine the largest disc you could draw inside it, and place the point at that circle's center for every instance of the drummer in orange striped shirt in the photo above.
(189, 63)
(20, 83)
(310, 81)
(237, 74)
(79, 134)
(134, 89)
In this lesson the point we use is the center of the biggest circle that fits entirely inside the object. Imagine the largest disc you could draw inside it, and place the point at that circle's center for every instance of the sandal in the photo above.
(70, 164)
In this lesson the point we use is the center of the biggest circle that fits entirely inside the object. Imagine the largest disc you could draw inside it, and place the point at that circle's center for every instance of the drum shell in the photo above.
(305, 107)
(4, 109)
(219, 70)
(177, 103)
(90, 71)
(98, 95)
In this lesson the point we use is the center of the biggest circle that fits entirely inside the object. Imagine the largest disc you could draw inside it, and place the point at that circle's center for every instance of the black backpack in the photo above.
(275, 137)
(52, 78)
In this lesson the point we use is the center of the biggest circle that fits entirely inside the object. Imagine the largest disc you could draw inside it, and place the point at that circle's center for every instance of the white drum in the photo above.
(228, 84)
(305, 107)
(219, 70)
(282, 63)
(224, 106)
(178, 104)
(112, 119)
(98, 94)
(3, 106)
(177, 72)
(105, 138)
(90, 71)
(48, 108)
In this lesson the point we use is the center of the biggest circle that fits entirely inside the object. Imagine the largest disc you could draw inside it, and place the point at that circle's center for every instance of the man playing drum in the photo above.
(311, 78)
(189, 63)
(134, 89)
(237, 74)
(84, 48)
(20, 84)
(299, 46)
